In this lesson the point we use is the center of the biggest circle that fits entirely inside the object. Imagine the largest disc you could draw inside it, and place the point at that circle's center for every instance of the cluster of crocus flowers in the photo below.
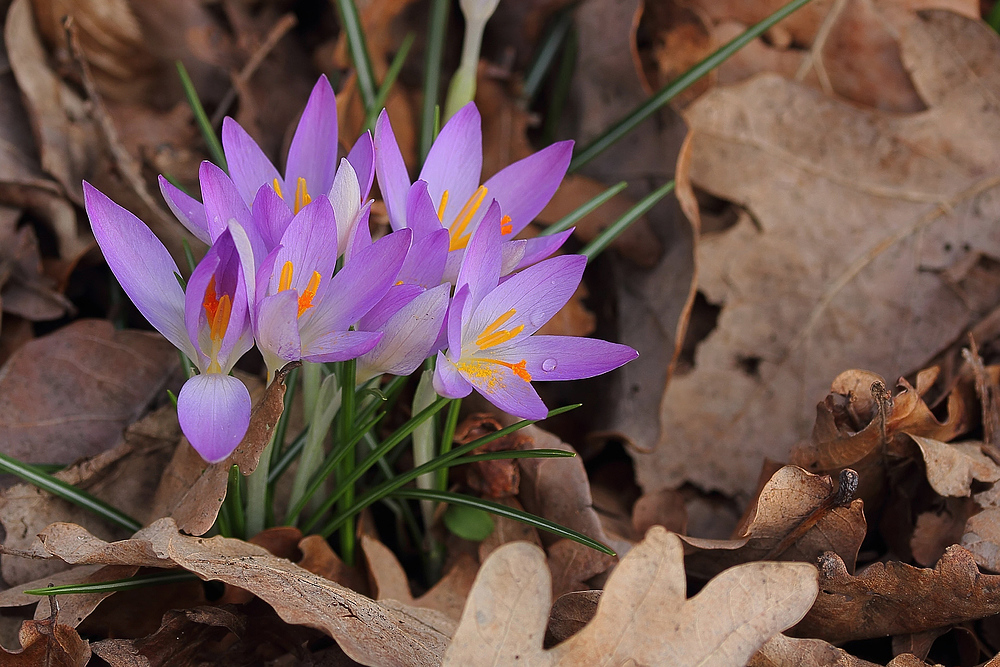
(292, 267)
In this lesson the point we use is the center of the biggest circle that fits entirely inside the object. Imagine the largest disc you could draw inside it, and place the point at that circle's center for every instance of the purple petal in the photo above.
(313, 153)
(356, 288)
(410, 334)
(421, 215)
(456, 315)
(362, 158)
(248, 165)
(503, 388)
(195, 318)
(483, 258)
(448, 382)
(271, 216)
(567, 357)
(393, 180)
(361, 235)
(310, 244)
(188, 210)
(397, 297)
(224, 203)
(511, 254)
(455, 161)
(277, 329)
(535, 295)
(525, 187)
(425, 262)
(341, 345)
(214, 413)
(540, 247)
(142, 266)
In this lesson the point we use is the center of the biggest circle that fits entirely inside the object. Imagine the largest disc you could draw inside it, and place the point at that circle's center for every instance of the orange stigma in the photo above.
(217, 312)
(306, 298)
(481, 370)
(505, 226)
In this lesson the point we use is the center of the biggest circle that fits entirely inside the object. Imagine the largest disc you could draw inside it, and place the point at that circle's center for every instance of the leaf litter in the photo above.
(818, 250)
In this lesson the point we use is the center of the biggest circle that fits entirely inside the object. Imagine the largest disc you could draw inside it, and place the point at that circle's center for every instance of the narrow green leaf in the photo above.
(504, 511)
(234, 500)
(437, 29)
(994, 18)
(469, 523)
(639, 209)
(358, 47)
(116, 585)
(59, 488)
(674, 88)
(204, 124)
(188, 256)
(549, 48)
(560, 88)
(448, 438)
(513, 454)
(389, 81)
(584, 210)
(287, 456)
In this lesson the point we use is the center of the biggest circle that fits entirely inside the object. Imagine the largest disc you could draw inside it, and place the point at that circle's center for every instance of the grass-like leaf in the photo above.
(639, 209)
(584, 210)
(504, 511)
(513, 454)
(549, 48)
(437, 29)
(59, 488)
(204, 124)
(358, 47)
(116, 585)
(677, 86)
(559, 92)
(390, 78)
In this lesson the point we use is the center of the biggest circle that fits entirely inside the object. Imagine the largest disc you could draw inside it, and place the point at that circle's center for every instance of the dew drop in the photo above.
(538, 318)
(549, 365)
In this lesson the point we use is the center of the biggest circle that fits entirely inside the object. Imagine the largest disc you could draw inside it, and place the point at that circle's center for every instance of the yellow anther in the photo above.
(505, 226)
(498, 322)
(465, 216)
(480, 369)
(302, 197)
(285, 281)
(493, 335)
(277, 187)
(442, 205)
(220, 322)
(306, 298)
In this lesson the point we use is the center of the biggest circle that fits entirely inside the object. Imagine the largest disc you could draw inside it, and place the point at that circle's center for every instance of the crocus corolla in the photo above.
(490, 344)
(208, 321)
(452, 174)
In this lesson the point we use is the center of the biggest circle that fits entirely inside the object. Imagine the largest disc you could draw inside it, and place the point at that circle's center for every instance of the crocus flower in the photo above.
(452, 174)
(311, 170)
(490, 344)
(298, 310)
(208, 321)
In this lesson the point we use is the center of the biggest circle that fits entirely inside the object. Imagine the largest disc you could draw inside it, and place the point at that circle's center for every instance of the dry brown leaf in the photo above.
(572, 564)
(665, 507)
(782, 651)
(800, 302)
(48, 643)
(643, 615)
(936, 531)
(507, 530)
(795, 517)
(570, 613)
(952, 467)
(894, 598)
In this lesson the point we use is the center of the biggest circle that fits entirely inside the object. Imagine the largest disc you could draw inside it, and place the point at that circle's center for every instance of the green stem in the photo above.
(256, 516)
(204, 124)
(359, 52)
(349, 374)
(390, 78)
(325, 408)
(437, 28)
(586, 209)
(447, 439)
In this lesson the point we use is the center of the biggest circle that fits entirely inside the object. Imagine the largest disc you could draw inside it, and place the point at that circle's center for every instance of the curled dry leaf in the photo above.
(782, 651)
(48, 643)
(570, 613)
(643, 615)
(952, 467)
(894, 598)
(937, 530)
(800, 302)
(797, 516)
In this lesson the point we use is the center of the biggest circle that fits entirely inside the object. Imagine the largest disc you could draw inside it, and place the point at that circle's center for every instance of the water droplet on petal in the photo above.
(549, 365)
(538, 318)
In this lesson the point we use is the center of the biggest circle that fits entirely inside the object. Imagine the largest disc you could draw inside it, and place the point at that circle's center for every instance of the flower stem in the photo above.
(436, 30)
(348, 375)
(325, 406)
(256, 515)
(423, 442)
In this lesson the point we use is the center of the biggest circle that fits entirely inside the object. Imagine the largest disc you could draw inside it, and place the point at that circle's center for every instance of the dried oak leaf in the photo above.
(794, 518)
(782, 651)
(894, 598)
(799, 302)
(953, 467)
(643, 615)
(48, 643)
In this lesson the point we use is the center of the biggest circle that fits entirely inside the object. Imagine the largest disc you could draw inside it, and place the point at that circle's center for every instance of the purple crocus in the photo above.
(311, 170)
(452, 174)
(298, 310)
(208, 321)
(490, 344)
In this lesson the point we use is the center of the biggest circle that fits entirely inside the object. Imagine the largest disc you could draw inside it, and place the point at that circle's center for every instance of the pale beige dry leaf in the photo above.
(982, 530)
(370, 632)
(952, 467)
(48, 643)
(792, 519)
(807, 282)
(782, 651)
(643, 615)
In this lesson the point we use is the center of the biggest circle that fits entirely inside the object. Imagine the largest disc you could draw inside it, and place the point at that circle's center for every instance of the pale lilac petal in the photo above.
(452, 265)
(357, 287)
(214, 413)
(313, 152)
(457, 313)
(483, 258)
(421, 216)
(341, 345)
(310, 244)
(142, 266)
(248, 165)
(238, 338)
(223, 203)
(188, 210)
(425, 262)
(512, 254)
(195, 318)
(271, 216)
(448, 382)
(525, 187)
(566, 357)
(393, 180)
(362, 158)
(535, 295)
(345, 196)
(277, 330)
(502, 387)
(540, 247)
(361, 235)
(455, 161)
(248, 265)
(410, 335)
(397, 297)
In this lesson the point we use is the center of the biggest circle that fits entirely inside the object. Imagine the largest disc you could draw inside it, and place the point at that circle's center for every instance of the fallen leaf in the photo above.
(643, 615)
(936, 531)
(665, 507)
(799, 302)
(572, 564)
(507, 530)
(570, 613)
(894, 598)
(319, 558)
(782, 651)
(492, 479)
(952, 467)
(48, 643)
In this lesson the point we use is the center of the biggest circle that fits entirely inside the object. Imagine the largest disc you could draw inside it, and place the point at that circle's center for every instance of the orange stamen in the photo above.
(464, 217)
(211, 301)
(305, 299)
(442, 205)
(220, 322)
(285, 281)
(493, 335)
(277, 187)
(505, 226)
(302, 197)
(480, 369)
